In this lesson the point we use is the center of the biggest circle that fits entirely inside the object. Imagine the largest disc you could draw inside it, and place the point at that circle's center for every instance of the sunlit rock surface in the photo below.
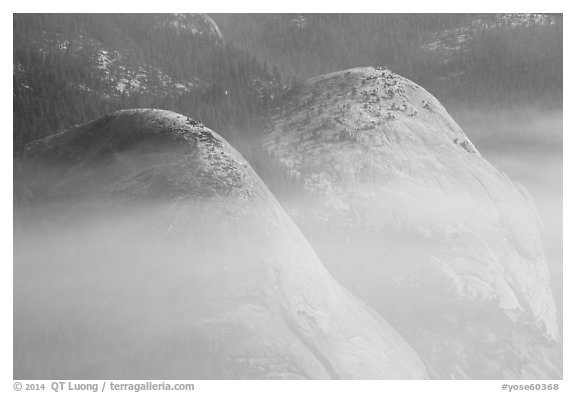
(148, 248)
(406, 213)
(199, 24)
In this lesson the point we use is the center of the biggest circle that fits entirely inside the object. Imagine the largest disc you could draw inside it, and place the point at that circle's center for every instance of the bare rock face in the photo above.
(150, 248)
(197, 24)
(405, 211)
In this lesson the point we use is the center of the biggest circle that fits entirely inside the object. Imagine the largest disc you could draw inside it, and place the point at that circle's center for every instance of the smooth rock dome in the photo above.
(405, 211)
(161, 254)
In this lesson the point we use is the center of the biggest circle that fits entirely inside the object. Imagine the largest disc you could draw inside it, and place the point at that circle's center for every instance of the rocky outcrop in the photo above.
(198, 24)
(407, 213)
(152, 249)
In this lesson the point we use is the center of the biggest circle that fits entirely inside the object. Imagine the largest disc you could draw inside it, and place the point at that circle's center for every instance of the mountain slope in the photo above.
(406, 213)
(150, 248)
(70, 68)
(461, 58)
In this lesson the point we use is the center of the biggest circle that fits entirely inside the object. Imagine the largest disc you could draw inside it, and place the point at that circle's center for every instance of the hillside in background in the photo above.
(475, 57)
(225, 70)
(70, 68)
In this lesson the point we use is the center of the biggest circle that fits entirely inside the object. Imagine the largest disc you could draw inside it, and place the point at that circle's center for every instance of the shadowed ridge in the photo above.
(127, 141)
